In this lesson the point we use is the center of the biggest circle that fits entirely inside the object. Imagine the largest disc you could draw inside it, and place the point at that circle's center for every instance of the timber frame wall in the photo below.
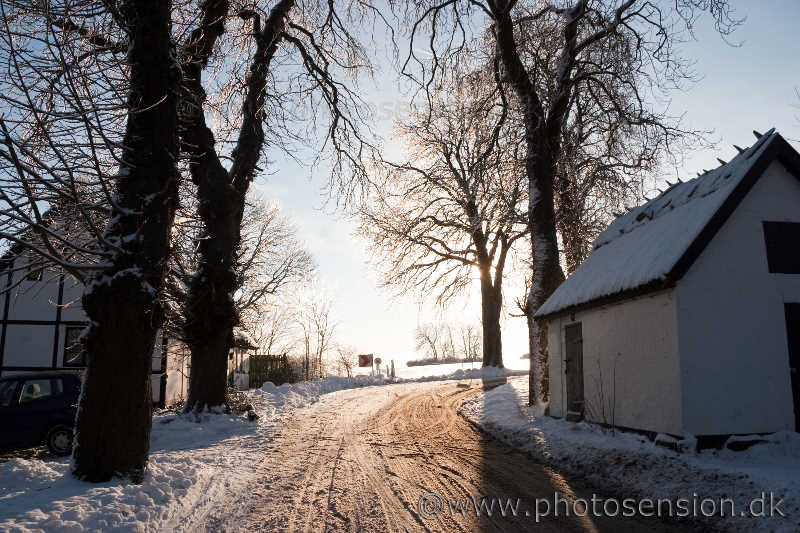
(50, 324)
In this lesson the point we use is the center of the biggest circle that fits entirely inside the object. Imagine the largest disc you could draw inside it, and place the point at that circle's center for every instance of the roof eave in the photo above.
(778, 149)
(627, 294)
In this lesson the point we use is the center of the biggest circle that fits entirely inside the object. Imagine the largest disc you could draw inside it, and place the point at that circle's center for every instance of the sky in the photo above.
(747, 86)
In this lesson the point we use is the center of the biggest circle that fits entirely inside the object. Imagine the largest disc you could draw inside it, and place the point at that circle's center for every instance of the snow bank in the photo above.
(629, 465)
(294, 395)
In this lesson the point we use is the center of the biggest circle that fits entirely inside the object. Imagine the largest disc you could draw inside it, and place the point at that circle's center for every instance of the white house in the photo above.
(42, 319)
(685, 317)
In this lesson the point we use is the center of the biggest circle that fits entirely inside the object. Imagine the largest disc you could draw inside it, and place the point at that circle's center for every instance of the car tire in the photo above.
(59, 440)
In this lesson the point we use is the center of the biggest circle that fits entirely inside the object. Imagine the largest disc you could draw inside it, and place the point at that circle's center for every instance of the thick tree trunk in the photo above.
(533, 374)
(542, 139)
(491, 305)
(547, 273)
(210, 310)
(122, 301)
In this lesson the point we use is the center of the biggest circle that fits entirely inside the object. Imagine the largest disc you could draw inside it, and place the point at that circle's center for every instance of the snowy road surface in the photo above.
(361, 460)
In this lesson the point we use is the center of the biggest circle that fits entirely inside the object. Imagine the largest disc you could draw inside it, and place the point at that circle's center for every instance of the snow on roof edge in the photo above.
(640, 248)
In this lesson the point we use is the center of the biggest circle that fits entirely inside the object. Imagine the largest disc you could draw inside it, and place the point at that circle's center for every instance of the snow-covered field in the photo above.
(631, 466)
(416, 372)
(193, 467)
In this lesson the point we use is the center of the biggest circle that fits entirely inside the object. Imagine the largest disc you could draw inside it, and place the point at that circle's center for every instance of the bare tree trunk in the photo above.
(547, 273)
(122, 301)
(491, 304)
(542, 138)
(211, 312)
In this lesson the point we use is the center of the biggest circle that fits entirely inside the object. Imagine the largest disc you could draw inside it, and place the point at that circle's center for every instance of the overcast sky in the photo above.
(743, 88)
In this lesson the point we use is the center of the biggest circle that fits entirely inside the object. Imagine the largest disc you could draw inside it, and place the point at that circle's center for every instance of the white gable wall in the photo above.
(731, 324)
(32, 300)
(633, 344)
(28, 344)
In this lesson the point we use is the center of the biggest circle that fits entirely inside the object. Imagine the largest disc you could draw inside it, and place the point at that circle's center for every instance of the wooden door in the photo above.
(573, 368)
(793, 333)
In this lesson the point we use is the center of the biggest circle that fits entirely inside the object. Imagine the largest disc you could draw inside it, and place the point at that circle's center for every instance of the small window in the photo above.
(783, 247)
(36, 389)
(74, 354)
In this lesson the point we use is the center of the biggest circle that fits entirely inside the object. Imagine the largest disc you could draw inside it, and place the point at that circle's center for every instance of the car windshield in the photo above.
(7, 392)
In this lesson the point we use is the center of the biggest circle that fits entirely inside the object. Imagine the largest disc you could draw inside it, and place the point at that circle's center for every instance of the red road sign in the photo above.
(365, 359)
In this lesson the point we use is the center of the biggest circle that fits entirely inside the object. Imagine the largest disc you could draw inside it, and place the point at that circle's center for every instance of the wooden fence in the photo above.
(264, 367)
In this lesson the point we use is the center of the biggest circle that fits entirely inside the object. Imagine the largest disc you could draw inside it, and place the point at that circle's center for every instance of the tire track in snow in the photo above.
(360, 460)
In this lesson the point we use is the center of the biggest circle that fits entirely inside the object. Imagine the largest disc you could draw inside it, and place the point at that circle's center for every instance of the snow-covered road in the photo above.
(362, 460)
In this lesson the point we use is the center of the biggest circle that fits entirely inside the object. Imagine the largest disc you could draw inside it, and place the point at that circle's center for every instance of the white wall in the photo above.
(731, 324)
(29, 345)
(634, 342)
(32, 300)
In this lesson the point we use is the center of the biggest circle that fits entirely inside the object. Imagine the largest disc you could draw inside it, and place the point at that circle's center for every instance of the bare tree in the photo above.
(449, 349)
(270, 260)
(316, 327)
(274, 332)
(602, 48)
(111, 198)
(120, 338)
(602, 169)
(345, 360)
(469, 338)
(292, 49)
(457, 207)
(426, 337)
(445, 342)
(63, 119)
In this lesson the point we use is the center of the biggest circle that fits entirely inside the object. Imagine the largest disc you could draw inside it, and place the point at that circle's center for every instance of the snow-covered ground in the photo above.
(630, 465)
(193, 467)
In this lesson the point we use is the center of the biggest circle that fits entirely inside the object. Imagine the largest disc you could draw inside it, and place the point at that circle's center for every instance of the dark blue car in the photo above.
(39, 408)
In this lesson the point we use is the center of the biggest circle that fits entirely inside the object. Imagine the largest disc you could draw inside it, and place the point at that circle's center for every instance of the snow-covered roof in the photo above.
(652, 245)
(242, 339)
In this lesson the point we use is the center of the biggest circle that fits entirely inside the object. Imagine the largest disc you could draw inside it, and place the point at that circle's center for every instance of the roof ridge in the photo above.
(713, 179)
(625, 262)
